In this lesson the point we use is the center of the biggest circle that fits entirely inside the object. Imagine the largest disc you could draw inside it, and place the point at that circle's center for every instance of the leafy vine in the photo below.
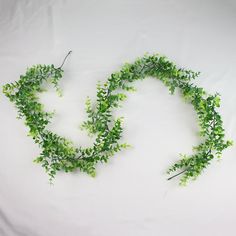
(58, 153)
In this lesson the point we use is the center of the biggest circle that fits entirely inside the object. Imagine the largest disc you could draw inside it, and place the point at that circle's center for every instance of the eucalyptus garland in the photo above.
(59, 153)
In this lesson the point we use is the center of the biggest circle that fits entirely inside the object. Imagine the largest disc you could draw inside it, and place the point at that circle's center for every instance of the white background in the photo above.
(130, 195)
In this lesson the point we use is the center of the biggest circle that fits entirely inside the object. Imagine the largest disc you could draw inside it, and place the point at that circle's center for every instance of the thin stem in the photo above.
(65, 59)
(209, 152)
(177, 174)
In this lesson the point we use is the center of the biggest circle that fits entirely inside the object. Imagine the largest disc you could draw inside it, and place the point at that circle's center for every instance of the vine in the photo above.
(58, 153)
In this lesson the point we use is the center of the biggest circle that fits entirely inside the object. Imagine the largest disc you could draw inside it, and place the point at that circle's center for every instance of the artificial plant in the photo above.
(59, 153)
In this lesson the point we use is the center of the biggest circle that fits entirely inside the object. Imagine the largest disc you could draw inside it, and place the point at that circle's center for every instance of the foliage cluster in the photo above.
(58, 153)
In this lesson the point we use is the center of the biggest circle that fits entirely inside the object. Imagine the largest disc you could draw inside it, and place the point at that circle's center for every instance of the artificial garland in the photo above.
(58, 153)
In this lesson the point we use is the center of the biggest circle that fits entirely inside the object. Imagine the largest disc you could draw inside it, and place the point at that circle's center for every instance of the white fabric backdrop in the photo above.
(130, 195)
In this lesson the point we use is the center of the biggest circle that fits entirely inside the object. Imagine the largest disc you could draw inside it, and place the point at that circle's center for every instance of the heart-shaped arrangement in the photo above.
(58, 153)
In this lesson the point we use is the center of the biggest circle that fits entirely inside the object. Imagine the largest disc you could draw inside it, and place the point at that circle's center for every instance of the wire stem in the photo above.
(177, 174)
(65, 59)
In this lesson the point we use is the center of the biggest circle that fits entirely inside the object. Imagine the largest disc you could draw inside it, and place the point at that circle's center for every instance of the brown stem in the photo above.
(64, 59)
(177, 174)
